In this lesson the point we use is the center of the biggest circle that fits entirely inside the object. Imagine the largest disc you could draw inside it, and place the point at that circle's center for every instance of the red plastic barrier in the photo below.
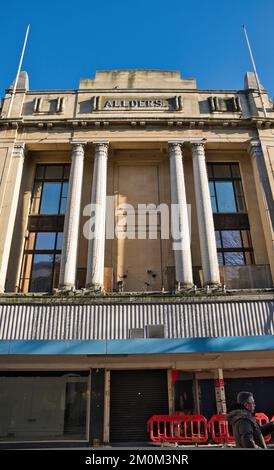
(187, 429)
(219, 429)
(191, 429)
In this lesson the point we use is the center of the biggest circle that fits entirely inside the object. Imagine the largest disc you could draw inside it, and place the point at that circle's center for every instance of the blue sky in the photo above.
(70, 40)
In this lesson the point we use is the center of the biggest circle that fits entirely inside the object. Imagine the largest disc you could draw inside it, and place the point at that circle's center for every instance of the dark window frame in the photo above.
(241, 249)
(43, 180)
(53, 223)
(233, 179)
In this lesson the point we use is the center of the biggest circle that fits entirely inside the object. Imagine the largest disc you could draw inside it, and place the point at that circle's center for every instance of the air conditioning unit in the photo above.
(135, 333)
(155, 331)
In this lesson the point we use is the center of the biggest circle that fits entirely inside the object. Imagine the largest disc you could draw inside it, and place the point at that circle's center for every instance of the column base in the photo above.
(94, 288)
(66, 287)
(182, 286)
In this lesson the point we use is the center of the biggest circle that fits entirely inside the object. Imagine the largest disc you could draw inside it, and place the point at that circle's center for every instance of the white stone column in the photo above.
(96, 244)
(9, 208)
(183, 264)
(211, 275)
(68, 265)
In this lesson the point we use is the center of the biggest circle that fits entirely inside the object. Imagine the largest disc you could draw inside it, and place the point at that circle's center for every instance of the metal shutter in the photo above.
(135, 395)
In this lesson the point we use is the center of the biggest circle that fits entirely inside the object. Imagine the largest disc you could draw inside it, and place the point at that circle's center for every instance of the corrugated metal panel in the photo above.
(107, 321)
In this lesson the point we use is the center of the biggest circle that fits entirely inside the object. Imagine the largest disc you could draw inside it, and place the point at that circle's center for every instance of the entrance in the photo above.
(136, 395)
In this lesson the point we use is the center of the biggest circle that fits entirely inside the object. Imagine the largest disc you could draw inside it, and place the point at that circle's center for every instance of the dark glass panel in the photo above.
(218, 239)
(50, 198)
(41, 275)
(209, 171)
(239, 196)
(225, 196)
(66, 171)
(220, 259)
(54, 172)
(235, 169)
(222, 171)
(40, 171)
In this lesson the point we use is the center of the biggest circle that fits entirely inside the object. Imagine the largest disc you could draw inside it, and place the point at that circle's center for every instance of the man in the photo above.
(247, 432)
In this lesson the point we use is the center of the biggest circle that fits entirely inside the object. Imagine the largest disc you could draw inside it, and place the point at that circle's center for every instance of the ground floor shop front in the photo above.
(82, 400)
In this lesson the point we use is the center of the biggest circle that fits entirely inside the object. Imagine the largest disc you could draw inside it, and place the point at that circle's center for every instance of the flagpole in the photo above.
(255, 72)
(18, 73)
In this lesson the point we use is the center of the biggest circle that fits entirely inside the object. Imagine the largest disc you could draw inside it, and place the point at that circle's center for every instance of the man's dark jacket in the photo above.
(247, 432)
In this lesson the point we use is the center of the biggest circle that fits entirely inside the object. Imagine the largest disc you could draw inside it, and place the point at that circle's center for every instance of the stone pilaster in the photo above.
(256, 151)
(210, 266)
(182, 252)
(67, 278)
(96, 244)
(9, 208)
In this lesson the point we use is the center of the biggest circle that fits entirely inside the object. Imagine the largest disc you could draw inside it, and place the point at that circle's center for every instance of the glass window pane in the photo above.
(231, 238)
(211, 189)
(213, 204)
(63, 205)
(234, 258)
(209, 170)
(39, 174)
(225, 196)
(218, 239)
(59, 241)
(54, 172)
(50, 198)
(41, 275)
(220, 259)
(239, 195)
(43, 408)
(65, 189)
(45, 241)
(66, 171)
(235, 169)
(222, 171)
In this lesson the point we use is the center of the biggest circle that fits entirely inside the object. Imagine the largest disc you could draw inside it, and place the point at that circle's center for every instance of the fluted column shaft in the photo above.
(68, 266)
(208, 246)
(9, 208)
(183, 264)
(96, 245)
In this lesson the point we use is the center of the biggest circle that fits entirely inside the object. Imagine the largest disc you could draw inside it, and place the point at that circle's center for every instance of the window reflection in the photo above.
(44, 408)
(225, 196)
(234, 247)
(41, 274)
(41, 263)
(226, 189)
(50, 189)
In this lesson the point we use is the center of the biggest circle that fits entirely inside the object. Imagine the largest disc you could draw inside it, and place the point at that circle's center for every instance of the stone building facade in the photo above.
(137, 317)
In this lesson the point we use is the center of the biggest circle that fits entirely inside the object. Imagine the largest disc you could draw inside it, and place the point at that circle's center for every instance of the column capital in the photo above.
(197, 141)
(79, 142)
(101, 142)
(254, 147)
(175, 148)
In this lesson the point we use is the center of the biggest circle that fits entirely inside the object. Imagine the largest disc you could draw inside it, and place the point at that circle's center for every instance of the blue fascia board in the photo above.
(136, 346)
